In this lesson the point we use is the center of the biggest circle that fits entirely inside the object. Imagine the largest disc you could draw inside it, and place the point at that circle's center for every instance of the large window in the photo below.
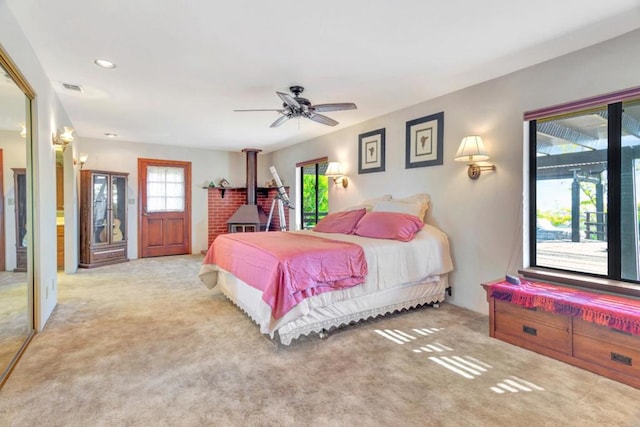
(314, 189)
(585, 190)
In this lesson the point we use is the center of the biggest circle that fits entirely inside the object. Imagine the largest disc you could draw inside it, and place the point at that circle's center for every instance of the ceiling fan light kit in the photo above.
(297, 106)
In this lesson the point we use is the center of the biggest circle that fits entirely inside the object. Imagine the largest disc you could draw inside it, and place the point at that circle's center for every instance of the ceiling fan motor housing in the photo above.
(296, 90)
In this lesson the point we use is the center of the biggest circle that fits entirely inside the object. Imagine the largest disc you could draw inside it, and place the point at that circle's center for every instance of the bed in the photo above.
(400, 272)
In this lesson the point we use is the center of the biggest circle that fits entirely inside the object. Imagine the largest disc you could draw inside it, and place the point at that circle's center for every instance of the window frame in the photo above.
(316, 163)
(612, 281)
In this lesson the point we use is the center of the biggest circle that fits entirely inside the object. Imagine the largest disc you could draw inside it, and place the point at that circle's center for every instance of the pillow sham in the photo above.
(414, 209)
(423, 198)
(389, 225)
(368, 203)
(340, 222)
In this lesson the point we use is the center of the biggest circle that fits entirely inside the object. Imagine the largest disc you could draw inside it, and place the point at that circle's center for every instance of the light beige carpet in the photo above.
(144, 343)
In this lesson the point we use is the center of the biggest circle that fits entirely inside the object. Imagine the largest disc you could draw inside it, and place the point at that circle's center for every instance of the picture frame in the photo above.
(424, 141)
(371, 151)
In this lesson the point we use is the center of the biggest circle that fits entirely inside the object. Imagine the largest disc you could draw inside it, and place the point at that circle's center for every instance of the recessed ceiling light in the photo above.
(110, 135)
(104, 63)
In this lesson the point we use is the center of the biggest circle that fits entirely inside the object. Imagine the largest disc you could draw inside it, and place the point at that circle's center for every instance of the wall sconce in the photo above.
(82, 159)
(63, 138)
(335, 171)
(472, 150)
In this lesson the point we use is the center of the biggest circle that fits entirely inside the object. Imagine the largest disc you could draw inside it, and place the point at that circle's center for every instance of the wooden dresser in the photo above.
(609, 352)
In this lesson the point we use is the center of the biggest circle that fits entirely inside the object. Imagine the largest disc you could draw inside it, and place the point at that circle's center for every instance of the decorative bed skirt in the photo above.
(617, 312)
(320, 313)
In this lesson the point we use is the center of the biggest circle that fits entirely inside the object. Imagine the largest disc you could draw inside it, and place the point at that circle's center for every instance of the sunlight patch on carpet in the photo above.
(400, 337)
(427, 331)
(396, 336)
(514, 384)
(466, 366)
(430, 348)
(461, 366)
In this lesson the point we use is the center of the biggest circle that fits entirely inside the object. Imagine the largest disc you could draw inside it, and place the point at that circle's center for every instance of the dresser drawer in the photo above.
(108, 254)
(607, 354)
(533, 315)
(528, 331)
(603, 333)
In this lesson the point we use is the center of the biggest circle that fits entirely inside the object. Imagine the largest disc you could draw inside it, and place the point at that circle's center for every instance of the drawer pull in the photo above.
(621, 359)
(532, 331)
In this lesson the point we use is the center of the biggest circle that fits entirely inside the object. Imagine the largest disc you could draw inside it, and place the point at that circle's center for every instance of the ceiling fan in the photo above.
(297, 106)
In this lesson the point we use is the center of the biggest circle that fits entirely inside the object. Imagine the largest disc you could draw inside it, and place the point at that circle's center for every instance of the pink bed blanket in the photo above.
(288, 267)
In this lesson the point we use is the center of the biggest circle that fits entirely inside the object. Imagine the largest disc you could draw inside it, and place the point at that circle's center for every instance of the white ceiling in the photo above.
(183, 66)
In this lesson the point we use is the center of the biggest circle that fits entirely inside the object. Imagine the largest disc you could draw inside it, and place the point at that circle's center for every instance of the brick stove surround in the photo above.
(222, 208)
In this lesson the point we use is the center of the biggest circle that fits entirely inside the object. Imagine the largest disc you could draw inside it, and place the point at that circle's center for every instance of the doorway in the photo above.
(164, 217)
(314, 191)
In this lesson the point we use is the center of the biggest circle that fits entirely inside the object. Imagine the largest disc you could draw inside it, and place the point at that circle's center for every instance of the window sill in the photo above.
(582, 281)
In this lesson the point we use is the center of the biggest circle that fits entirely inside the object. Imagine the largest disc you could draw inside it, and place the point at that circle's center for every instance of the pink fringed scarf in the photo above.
(607, 310)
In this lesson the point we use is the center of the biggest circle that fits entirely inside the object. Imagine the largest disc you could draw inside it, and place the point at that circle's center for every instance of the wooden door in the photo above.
(164, 215)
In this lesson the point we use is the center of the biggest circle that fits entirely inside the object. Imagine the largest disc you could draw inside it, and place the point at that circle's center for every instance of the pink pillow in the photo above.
(389, 225)
(340, 222)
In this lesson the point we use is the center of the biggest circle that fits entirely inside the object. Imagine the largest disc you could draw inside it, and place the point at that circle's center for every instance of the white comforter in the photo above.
(390, 262)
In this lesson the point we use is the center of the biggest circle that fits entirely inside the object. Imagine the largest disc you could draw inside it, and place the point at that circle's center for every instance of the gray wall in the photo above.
(483, 218)
(206, 165)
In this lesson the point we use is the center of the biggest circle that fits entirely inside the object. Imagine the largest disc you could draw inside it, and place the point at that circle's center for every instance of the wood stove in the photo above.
(249, 217)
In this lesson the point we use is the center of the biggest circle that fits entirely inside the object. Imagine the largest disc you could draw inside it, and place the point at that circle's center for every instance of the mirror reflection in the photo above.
(15, 313)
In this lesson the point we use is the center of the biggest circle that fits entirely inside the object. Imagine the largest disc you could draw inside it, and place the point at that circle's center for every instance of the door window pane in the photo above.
(101, 194)
(165, 189)
(119, 207)
(571, 191)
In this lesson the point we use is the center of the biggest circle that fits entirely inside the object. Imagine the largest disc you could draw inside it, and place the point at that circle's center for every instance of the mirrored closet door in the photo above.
(16, 237)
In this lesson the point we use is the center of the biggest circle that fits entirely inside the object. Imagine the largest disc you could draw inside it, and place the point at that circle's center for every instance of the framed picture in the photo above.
(424, 141)
(371, 151)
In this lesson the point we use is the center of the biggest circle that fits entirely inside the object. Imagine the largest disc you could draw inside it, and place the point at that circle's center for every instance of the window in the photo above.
(585, 188)
(314, 190)
(165, 189)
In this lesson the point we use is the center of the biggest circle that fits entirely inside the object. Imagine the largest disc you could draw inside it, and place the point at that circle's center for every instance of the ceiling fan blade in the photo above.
(280, 110)
(288, 99)
(339, 106)
(322, 119)
(280, 121)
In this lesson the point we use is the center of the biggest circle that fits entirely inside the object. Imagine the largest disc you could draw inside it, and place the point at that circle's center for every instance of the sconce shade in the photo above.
(67, 135)
(82, 159)
(63, 138)
(334, 170)
(471, 150)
